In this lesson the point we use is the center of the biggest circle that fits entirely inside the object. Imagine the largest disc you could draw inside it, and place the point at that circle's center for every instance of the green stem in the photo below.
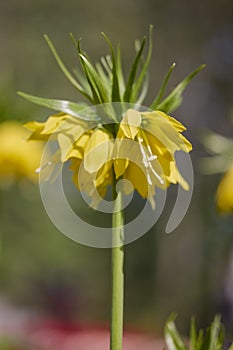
(116, 335)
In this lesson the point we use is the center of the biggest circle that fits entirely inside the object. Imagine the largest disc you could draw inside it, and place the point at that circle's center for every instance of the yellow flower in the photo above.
(18, 159)
(224, 194)
(142, 151)
(221, 161)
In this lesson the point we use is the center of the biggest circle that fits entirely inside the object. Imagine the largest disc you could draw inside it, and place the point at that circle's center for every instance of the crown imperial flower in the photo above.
(116, 139)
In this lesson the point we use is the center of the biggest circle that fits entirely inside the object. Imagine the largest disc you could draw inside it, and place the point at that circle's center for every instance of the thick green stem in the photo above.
(116, 335)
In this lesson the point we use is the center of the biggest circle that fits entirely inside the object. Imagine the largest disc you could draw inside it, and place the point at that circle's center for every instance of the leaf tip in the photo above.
(46, 37)
(202, 66)
(20, 93)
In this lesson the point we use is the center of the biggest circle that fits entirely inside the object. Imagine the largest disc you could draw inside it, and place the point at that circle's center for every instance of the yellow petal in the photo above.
(53, 123)
(137, 178)
(104, 175)
(75, 153)
(35, 129)
(34, 126)
(187, 144)
(121, 155)
(69, 141)
(175, 176)
(74, 166)
(178, 125)
(130, 123)
(65, 144)
(159, 126)
(98, 150)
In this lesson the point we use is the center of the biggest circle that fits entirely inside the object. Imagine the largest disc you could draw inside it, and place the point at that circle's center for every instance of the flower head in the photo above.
(142, 151)
(115, 139)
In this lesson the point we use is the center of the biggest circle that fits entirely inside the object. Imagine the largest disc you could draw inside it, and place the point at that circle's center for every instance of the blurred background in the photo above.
(45, 274)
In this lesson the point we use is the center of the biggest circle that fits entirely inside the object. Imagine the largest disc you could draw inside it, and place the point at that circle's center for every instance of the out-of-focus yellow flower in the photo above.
(147, 161)
(224, 194)
(18, 158)
(221, 161)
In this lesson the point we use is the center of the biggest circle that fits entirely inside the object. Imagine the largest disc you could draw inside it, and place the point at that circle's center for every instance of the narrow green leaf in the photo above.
(68, 107)
(96, 97)
(120, 71)
(103, 76)
(145, 84)
(199, 343)
(174, 99)
(115, 83)
(66, 72)
(133, 72)
(144, 70)
(95, 80)
(215, 329)
(144, 90)
(99, 91)
(163, 87)
(109, 62)
(82, 80)
(193, 335)
(172, 337)
(73, 40)
(107, 65)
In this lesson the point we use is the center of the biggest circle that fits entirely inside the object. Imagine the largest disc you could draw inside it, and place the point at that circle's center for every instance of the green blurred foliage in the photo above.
(184, 272)
(211, 339)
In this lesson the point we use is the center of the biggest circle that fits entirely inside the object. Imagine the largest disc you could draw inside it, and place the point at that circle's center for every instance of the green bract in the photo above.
(105, 82)
(221, 151)
(212, 339)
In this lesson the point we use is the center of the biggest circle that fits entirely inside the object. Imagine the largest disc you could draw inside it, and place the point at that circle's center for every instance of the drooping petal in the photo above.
(93, 184)
(137, 178)
(69, 141)
(121, 156)
(74, 167)
(98, 150)
(130, 123)
(81, 144)
(159, 126)
(175, 176)
(35, 129)
(65, 144)
(104, 175)
(187, 144)
(139, 181)
(53, 122)
(178, 125)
